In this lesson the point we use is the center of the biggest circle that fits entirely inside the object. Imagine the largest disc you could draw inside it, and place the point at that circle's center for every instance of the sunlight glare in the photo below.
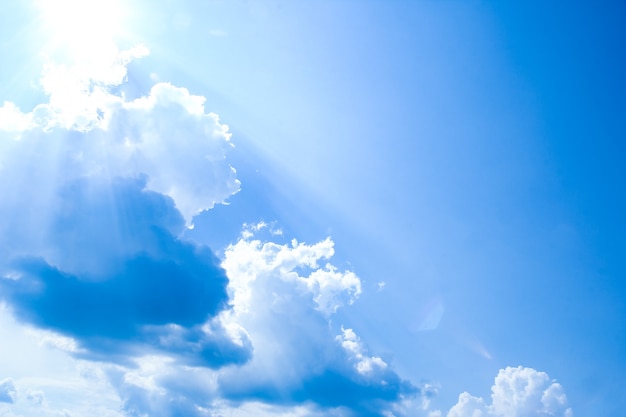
(82, 26)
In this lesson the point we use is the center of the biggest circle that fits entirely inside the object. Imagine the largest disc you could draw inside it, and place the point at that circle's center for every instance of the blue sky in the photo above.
(312, 208)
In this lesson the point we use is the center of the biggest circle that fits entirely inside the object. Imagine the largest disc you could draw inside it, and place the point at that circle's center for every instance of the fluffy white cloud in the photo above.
(468, 406)
(12, 119)
(96, 193)
(283, 296)
(517, 392)
(169, 137)
(87, 129)
(299, 366)
(249, 260)
(80, 95)
(364, 364)
(97, 190)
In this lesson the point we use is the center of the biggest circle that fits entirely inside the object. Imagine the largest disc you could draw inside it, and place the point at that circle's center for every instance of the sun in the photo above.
(80, 26)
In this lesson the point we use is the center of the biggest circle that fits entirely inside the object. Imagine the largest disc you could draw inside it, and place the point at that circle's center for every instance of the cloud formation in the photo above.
(281, 293)
(89, 129)
(93, 257)
(517, 392)
(97, 192)
(299, 366)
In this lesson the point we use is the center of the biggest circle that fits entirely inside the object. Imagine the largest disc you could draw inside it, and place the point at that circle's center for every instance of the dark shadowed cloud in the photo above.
(122, 278)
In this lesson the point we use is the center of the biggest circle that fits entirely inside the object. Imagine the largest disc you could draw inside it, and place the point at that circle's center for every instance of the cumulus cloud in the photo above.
(278, 295)
(249, 258)
(300, 365)
(87, 129)
(97, 192)
(517, 392)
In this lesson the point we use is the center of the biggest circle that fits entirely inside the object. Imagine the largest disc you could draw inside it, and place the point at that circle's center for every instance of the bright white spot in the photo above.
(83, 26)
(12, 119)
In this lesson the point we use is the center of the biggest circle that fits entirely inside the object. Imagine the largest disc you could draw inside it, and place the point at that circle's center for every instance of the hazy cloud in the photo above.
(8, 393)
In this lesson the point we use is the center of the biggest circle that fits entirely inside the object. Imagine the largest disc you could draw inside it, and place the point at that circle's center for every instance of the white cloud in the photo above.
(98, 189)
(169, 137)
(299, 366)
(267, 289)
(283, 296)
(468, 406)
(88, 130)
(12, 119)
(333, 289)
(86, 178)
(248, 259)
(517, 392)
(364, 364)
(79, 94)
